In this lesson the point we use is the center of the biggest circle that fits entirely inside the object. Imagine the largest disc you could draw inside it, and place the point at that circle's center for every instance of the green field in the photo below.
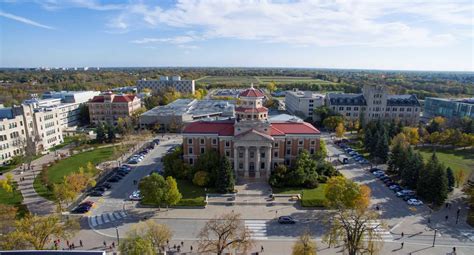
(69, 165)
(456, 159)
(256, 80)
(15, 198)
(192, 194)
(309, 197)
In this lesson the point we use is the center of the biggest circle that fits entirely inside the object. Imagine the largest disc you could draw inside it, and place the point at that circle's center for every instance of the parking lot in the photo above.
(109, 207)
(391, 207)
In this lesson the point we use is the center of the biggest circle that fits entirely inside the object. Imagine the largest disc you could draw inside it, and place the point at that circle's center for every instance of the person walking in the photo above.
(402, 245)
(446, 217)
(113, 245)
(80, 242)
(403, 234)
(191, 248)
(261, 248)
(105, 244)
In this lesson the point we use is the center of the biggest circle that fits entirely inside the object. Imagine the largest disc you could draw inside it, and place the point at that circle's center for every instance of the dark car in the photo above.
(121, 173)
(100, 188)
(286, 220)
(86, 203)
(375, 169)
(114, 179)
(106, 185)
(385, 178)
(408, 197)
(96, 193)
(81, 209)
(397, 189)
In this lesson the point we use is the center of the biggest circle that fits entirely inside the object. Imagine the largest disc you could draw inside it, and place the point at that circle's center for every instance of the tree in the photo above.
(355, 229)
(450, 176)
(110, 133)
(382, 148)
(172, 195)
(155, 190)
(201, 178)
(322, 151)
(84, 115)
(437, 124)
(100, 133)
(271, 86)
(223, 233)
(156, 234)
(278, 176)
(305, 171)
(8, 184)
(209, 161)
(304, 245)
(342, 193)
(460, 177)
(412, 135)
(433, 182)
(124, 126)
(332, 122)
(38, 231)
(7, 219)
(410, 165)
(136, 245)
(225, 177)
(340, 130)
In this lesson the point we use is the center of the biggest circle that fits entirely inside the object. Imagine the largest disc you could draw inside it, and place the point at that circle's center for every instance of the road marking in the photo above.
(106, 218)
(111, 216)
(257, 228)
(123, 214)
(93, 221)
(99, 219)
(117, 215)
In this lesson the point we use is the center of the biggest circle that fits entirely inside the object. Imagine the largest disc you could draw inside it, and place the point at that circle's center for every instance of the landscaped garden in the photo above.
(192, 195)
(56, 172)
(309, 197)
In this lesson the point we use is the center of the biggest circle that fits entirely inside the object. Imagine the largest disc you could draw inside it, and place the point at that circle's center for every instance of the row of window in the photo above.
(376, 109)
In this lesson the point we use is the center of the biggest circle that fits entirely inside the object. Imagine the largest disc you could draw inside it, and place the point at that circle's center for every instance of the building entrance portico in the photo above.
(252, 159)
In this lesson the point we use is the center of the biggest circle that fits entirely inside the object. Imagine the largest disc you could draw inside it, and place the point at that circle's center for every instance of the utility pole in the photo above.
(434, 237)
(118, 237)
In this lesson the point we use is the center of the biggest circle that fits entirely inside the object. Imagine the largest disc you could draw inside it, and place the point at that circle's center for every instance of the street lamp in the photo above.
(457, 214)
(118, 237)
(434, 237)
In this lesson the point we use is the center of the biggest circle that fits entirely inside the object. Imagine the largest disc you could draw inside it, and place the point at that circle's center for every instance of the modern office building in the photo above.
(375, 103)
(173, 116)
(303, 103)
(175, 82)
(253, 143)
(79, 97)
(448, 107)
(108, 108)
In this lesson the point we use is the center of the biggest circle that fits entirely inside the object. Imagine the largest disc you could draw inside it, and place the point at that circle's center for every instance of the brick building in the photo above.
(108, 108)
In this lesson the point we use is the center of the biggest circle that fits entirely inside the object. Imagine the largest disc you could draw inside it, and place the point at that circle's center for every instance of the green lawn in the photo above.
(456, 159)
(67, 140)
(192, 194)
(228, 80)
(309, 197)
(15, 198)
(69, 165)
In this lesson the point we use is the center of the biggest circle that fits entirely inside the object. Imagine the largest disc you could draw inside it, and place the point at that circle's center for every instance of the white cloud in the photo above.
(88, 4)
(24, 20)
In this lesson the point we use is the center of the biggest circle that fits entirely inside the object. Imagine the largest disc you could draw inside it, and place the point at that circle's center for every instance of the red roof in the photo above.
(116, 99)
(251, 93)
(293, 128)
(223, 128)
(246, 110)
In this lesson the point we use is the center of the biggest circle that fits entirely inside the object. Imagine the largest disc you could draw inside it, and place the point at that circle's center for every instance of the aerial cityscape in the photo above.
(237, 127)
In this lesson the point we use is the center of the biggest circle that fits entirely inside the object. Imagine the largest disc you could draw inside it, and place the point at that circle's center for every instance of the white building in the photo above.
(303, 103)
(12, 134)
(175, 82)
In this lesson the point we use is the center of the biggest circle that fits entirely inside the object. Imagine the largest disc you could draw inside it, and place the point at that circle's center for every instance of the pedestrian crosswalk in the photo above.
(257, 228)
(104, 218)
(384, 233)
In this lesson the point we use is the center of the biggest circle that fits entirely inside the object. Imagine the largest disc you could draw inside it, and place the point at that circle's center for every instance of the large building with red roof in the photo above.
(253, 143)
(108, 108)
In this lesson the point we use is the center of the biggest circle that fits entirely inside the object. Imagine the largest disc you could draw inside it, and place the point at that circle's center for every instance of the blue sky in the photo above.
(368, 34)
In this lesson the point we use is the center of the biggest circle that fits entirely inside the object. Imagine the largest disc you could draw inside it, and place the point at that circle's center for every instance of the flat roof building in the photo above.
(303, 103)
(448, 107)
(175, 82)
(175, 114)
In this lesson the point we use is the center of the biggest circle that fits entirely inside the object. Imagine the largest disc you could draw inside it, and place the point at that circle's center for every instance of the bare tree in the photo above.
(304, 245)
(224, 232)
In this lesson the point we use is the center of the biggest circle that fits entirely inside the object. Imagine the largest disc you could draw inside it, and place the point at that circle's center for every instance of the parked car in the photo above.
(120, 173)
(394, 186)
(405, 192)
(135, 196)
(414, 202)
(397, 189)
(106, 185)
(81, 209)
(100, 188)
(286, 220)
(96, 193)
(380, 176)
(87, 203)
(372, 170)
(133, 161)
(114, 179)
(408, 197)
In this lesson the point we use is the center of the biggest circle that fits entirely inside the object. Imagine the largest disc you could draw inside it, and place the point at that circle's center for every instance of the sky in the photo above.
(361, 34)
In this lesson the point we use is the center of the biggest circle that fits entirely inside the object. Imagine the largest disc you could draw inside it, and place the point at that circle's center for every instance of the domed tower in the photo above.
(250, 112)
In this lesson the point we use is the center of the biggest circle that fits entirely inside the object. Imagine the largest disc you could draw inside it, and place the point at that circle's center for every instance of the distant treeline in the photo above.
(17, 84)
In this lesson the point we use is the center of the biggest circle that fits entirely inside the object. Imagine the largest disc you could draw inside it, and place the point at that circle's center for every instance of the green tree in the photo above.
(450, 176)
(124, 126)
(110, 133)
(322, 151)
(152, 189)
(137, 245)
(382, 148)
(271, 86)
(410, 165)
(340, 130)
(225, 177)
(278, 176)
(100, 133)
(342, 193)
(433, 182)
(305, 171)
(209, 161)
(201, 178)
(150, 230)
(332, 122)
(172, 195)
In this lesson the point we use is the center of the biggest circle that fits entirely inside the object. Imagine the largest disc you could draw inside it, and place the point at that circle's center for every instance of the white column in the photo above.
(268, 163)
(257, 162)
(246, 160)
(236, 160)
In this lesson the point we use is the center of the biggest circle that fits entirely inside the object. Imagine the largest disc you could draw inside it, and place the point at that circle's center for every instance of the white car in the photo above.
(414, 202)
(135, 196)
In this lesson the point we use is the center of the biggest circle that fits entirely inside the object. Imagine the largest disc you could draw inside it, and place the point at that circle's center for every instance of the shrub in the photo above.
(199, 201)
(201, 178)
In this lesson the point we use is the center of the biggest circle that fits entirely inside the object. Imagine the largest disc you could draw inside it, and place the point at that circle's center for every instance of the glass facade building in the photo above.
(449, 108)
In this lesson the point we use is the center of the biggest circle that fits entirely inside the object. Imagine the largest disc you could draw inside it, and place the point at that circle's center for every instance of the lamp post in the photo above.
(457, 214)
(434, 237)
(118, 237)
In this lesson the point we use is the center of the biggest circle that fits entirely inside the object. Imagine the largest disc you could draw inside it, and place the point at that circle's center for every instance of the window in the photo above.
(276, 145)
(227, 153)
(416, 109)
(252, 154)
(288, 142)
(287, 162)
(313, 142)
(311, 151)
(356, 108)
(348, 114)
(388, 109)
(348, 108)
(394, 109)
(341, 108)
(310, 105)
(241, 165)
(402, 109)
(241, 154)
(202, 150)
(227, 143)
(275, 154)
(214, 141)
(190, 150)
(300, 142)
(288, 151)
(190, 141)
(262, 165)
(202, 141)
(191, 161)
(262, 155)
(300, 150)
(408, 109)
